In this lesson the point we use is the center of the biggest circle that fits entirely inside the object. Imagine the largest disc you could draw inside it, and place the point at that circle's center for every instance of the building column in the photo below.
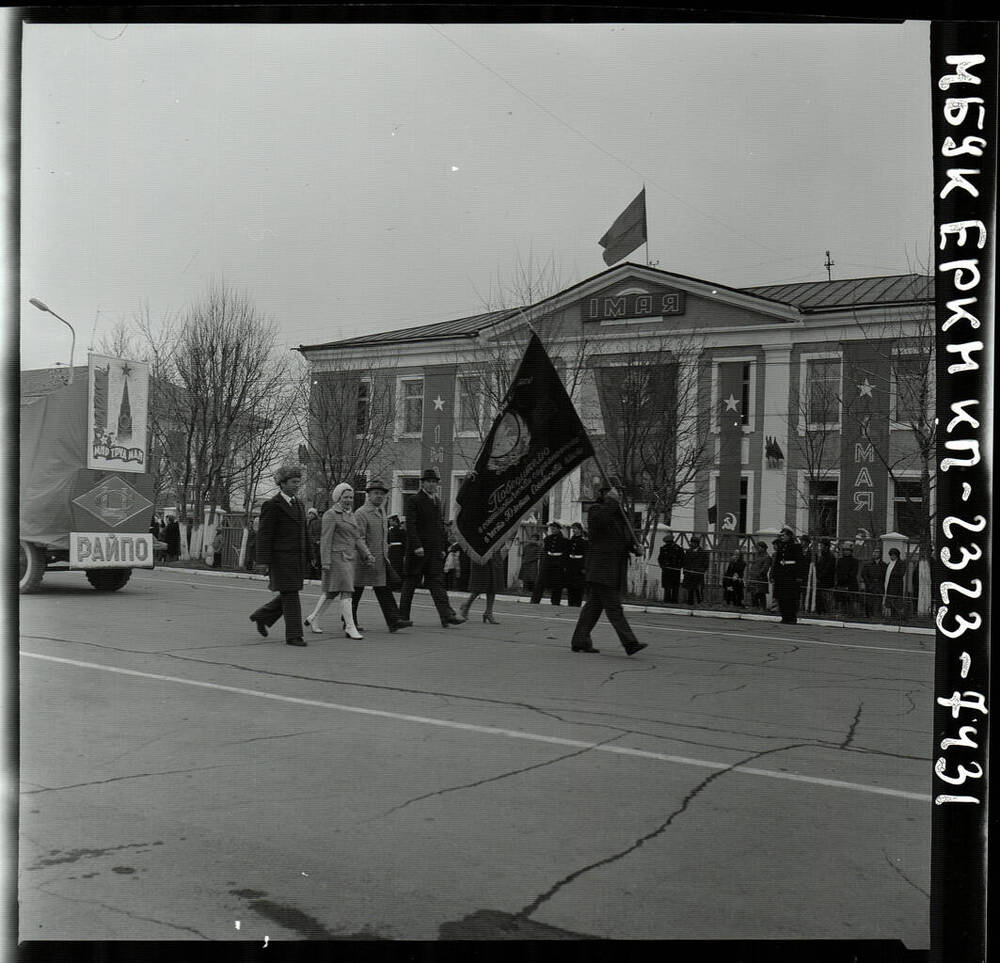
(774, 423)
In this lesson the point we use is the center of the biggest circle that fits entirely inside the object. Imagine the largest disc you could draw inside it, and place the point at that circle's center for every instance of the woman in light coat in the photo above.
(340, 546)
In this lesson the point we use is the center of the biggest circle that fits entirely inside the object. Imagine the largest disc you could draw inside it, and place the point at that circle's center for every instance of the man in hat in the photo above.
(695, 567)
(551, 565)
(785, 571)
(576, 553)
(826, 577)
(374, 526)
(671, 561)
(283, 548)
(605, 571)
(426, 546)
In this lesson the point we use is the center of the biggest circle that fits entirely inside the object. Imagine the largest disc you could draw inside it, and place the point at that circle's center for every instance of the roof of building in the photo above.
(849, 293)
(439, 330)
(806, 296)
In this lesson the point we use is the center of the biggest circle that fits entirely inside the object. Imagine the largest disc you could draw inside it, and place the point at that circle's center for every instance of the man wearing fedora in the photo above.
(426, 546)
(283, 548)
(374, 526)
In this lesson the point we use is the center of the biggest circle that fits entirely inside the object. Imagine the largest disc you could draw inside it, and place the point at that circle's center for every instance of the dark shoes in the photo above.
(452, 620)
(295, 642)
(261, 627)
(588, 649)
(400, 624)
(638, 647)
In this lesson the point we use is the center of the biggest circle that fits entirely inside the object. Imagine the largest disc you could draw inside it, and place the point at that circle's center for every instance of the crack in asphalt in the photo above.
(649, 667)
(769, 659)
(846, 744)
(543, 898)
(136, 775)
(497, 778)
(919, 889)
(701, 695)
(133, 916)
(908, 695)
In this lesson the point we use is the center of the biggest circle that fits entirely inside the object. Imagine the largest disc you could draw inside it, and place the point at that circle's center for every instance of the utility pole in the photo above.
(828, 264)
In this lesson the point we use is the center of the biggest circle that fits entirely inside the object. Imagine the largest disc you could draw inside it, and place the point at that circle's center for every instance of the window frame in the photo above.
(401, 382)
(804, 423)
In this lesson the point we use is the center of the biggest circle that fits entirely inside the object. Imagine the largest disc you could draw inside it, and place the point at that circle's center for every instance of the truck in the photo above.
(86, 489)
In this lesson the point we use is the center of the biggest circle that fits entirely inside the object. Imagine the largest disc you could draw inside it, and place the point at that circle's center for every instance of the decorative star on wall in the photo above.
(865, 388)
(439, 403)
(731, 402)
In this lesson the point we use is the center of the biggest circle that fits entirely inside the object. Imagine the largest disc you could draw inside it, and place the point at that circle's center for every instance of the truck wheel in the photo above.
(31, 567)
(108, 579)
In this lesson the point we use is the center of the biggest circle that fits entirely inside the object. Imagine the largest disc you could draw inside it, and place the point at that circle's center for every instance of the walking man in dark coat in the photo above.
(282, 547)
(426, 546)
(785, 570)
(606, 572)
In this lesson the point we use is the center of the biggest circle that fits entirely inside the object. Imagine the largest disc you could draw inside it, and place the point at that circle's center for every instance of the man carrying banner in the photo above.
(605, 572)
(426, 546)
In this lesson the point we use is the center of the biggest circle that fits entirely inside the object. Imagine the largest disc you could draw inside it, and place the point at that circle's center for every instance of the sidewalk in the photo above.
(628, 606)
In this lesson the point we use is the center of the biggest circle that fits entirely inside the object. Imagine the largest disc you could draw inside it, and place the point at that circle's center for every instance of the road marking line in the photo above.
(646, 625)
(492, 730)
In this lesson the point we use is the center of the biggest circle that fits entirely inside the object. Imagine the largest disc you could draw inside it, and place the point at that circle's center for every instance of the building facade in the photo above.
(812, 402)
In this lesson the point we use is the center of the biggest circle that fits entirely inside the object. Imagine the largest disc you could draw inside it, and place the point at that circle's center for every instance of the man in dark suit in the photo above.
(426, 547)
(786, 567)
(282, 547)
(605, 572)
(551, 565)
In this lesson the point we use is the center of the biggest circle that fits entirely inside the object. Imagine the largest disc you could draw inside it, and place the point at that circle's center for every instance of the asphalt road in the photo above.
(183, 778)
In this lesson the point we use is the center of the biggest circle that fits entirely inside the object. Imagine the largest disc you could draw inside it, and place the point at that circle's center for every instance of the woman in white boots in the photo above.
(340, 545)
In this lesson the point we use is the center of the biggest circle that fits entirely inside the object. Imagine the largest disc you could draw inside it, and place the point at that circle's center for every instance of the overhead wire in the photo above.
(646, 178)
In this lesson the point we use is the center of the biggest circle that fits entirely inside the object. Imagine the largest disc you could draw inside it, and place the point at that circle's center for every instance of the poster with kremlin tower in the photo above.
(117, 416)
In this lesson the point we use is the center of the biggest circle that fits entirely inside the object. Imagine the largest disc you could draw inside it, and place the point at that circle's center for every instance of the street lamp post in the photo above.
(42, 306)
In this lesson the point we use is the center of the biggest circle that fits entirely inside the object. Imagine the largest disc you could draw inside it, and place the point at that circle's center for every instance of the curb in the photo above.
(646, 609)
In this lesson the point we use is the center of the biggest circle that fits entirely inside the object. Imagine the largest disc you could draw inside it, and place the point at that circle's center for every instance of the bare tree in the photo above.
(814, 436)
(346, 416)
(657, 441)
(218, 394)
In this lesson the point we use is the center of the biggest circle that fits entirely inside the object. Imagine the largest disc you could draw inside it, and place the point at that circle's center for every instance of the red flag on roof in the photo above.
(627, 233)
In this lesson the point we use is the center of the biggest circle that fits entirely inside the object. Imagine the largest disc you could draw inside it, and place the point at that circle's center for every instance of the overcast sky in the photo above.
(360, 178)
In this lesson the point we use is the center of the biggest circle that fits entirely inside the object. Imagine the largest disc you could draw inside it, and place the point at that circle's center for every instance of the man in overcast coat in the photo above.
(282, 547)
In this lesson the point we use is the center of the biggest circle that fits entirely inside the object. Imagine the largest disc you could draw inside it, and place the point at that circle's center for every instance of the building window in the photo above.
(823, 391)
(362, 407)
(823, 507)
(412, 405)
(908, 507)
(468, 418)
(406, 486)
(913, 379)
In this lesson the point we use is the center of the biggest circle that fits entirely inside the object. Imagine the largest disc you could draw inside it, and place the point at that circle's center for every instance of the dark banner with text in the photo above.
(964, 111)
(536, 440)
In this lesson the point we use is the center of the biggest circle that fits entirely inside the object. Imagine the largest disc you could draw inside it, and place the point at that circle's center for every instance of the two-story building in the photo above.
(829, 384)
